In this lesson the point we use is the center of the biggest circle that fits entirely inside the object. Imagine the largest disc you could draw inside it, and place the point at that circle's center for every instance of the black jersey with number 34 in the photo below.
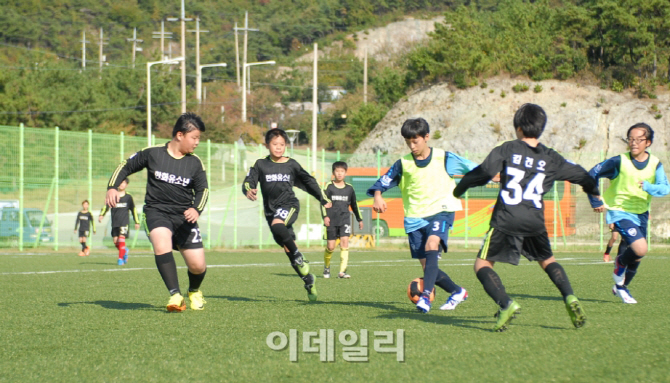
(526, 174)
(277, 179)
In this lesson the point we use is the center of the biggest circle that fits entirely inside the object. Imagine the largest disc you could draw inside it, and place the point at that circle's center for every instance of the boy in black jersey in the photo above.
(176, 196)
(85, 222)
(337, 219)
(527, 170)
(120, 221)
(277, 175)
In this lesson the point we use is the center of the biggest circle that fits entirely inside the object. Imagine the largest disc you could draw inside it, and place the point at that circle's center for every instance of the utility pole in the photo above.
(101, 57)
(315, 105)
(83, 49)
(183, 20)
(162, 35)
(246, 29)
(135, 40)
(365, 77)
(237, 57)
(198, 79)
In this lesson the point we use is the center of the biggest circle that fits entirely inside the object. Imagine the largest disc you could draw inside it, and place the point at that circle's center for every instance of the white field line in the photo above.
(374, 263)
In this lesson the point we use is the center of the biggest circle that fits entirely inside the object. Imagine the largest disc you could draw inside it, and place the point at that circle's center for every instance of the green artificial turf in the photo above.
(85, 319)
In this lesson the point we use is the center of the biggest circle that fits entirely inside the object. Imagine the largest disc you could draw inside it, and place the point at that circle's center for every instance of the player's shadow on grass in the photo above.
(377, 305)
(482, 323)
(114, 305)
(557, 298)
(285, 274)
(237, 299)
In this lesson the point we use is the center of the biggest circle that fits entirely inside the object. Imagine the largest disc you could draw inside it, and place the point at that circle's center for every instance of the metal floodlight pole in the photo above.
(183, 20)
(198, 80)
(315, 105)
(101, 56)
(149, 64)
(244, 78)
(199, 85)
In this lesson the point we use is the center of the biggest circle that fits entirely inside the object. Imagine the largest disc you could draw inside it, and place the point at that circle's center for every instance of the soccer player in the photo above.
(527, 170)
(85, 222)
(636, 177)
(176, 196)
(276, 176)
(120, 221)
(426, 179)
(338, 220)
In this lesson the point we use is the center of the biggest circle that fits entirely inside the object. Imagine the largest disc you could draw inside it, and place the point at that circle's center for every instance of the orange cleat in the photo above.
(87, 251)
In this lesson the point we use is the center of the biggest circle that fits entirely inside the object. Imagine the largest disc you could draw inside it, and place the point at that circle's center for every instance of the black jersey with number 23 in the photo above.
(526, 174)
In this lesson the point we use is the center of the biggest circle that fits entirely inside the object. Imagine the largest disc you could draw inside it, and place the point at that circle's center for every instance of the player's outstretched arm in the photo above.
(482, 174)
(659, 188)
(306, 182)
(606, 169)
(249, 186)
(389, 180)
(133, 164)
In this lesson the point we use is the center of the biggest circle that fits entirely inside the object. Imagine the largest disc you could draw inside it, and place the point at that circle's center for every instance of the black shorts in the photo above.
(185, 235)
(501, 247)
(289, 215)
(83, 233)
(121, 231)
(335, 232)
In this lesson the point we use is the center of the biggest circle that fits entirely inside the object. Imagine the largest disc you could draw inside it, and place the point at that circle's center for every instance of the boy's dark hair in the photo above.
(276, 132)
(85, 201)
(531, 119)
(127, 181)
(340, 164)
(415, 127)
(188, 122)
(648, 134)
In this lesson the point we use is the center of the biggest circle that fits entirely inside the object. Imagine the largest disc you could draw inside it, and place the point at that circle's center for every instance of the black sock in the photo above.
(560, 278)
(631, 270)
(296, 260)
(195, 280)
(430, 272)
(445, 283)
(283, 236)
(168, 270)
(628, 257)
(493, 286)
(83, 246)
(609, 248)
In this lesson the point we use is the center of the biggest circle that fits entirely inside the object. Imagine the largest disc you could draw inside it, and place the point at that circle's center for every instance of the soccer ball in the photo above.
(415, 289)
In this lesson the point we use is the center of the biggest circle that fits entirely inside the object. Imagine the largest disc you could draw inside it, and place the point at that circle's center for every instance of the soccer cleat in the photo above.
(623, 293)
(82, 254)
(301, 265)
(197, 300)
(310, 286)
(505, 316)
(120, 262)
(606, 258)
(619, 272)
(176, 304)
(125, 256)
(343, 276)
(326, 272)
(575, 310)
(87, 251)
(423, 305)
(455, 299)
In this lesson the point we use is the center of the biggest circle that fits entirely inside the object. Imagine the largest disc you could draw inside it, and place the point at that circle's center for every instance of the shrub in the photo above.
(520, 88)
(538, 88)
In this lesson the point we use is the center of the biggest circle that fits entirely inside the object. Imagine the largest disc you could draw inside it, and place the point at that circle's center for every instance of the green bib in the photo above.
(429, 190)
(624, 193)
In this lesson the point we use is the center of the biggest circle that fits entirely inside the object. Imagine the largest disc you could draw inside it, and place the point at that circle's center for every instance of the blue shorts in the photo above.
(630, 231)
(439, 225)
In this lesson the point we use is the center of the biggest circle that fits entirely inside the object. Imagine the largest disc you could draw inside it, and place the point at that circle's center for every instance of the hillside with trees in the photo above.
(612, 44)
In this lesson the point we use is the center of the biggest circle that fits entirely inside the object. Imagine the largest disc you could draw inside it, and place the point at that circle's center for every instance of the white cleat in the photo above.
(455, 299)
(623, 293)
